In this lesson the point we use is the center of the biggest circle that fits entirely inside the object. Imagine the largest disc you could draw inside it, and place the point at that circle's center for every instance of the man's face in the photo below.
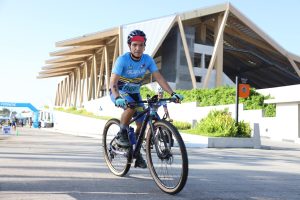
(160, 95)
(137, 48)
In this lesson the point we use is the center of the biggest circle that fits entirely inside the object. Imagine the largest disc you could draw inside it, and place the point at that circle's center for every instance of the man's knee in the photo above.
(127, 115)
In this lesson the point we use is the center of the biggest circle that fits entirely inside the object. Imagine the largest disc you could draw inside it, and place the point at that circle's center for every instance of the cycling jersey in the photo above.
(132, 72)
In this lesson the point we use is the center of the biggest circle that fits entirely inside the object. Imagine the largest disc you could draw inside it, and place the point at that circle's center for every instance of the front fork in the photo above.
(162, 142)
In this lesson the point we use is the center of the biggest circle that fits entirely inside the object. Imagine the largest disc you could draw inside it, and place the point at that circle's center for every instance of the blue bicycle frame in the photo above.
(150, 114)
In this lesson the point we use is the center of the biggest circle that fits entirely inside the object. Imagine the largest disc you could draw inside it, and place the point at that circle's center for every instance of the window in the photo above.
(207, 60)
(197, 60)
(198, 79)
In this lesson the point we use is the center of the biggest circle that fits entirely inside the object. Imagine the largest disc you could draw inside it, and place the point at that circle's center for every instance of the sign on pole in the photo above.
(244, 90)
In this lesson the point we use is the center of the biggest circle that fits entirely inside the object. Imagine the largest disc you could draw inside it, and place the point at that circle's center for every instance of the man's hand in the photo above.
(177, 97)
(120, 102)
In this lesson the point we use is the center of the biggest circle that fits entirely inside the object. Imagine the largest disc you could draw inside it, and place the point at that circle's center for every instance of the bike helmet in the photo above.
(136, 35)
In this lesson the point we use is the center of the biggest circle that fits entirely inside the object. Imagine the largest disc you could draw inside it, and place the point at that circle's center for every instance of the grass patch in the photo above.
(182, 125)
(82, 112)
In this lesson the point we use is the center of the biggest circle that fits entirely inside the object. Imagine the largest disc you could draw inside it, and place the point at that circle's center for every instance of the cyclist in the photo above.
(126, 79)
(160, 93)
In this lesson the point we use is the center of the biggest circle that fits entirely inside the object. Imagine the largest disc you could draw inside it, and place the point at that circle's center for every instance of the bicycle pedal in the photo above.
(122, 146)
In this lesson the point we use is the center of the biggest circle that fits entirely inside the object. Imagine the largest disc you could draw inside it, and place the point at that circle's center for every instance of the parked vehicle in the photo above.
(46, 118)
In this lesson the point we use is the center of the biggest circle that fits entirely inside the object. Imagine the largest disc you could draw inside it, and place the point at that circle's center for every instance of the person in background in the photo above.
(160, 93)
(14, 123)
(30, 121)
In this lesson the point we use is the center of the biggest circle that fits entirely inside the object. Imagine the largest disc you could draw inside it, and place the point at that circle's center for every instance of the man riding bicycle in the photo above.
(126, 79)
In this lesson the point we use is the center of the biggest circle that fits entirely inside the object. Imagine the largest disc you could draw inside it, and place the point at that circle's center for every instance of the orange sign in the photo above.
(244, 90)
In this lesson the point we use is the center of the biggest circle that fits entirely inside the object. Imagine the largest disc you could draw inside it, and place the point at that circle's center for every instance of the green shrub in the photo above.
(71, 109)
(182, 125)
(222, 96)
(59, 109)
(221, 124)
(270, 110)
(145, 91)
(244, 129)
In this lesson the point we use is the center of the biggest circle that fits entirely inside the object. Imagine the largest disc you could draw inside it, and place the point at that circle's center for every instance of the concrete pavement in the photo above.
(39, 164)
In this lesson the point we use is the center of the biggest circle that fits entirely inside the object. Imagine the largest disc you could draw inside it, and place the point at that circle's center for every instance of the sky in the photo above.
(30, 29)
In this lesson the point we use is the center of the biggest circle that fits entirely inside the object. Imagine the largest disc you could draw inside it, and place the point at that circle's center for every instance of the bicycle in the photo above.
(164, 147)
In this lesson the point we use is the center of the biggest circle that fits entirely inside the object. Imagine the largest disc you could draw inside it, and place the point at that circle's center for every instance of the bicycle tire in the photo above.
(171, 144)
(118, 164)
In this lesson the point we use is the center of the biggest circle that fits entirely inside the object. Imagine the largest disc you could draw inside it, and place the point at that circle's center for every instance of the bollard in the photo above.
(256, 136)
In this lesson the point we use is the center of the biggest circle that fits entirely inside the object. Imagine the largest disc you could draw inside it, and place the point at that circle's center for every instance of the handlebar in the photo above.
(156, 101)
(153, 100)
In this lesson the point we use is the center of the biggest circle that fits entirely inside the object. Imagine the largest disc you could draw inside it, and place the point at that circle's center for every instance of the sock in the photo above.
(124, 128)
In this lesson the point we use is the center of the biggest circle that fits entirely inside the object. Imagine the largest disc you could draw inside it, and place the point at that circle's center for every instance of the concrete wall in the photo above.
(183, 77)
(168, 51)
(285, 126)
(174, 63)
(291, 92)
(78, 125)
(103, 107)
(212, 81)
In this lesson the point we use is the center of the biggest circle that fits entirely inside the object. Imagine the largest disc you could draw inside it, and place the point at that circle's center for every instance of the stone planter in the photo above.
(231, 142)
(224, 142)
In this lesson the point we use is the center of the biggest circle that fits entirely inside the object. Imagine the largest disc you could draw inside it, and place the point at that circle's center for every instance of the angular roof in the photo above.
(156, 29)
(248, 51)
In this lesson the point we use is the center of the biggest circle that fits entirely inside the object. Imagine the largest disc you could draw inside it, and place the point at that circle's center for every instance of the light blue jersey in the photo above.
(132, 72)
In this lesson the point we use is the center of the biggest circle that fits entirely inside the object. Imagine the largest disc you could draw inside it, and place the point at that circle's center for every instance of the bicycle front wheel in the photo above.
(167, 157)
(117, 159)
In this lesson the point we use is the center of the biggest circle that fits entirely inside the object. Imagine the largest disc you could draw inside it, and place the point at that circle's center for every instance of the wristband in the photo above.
(118, 97)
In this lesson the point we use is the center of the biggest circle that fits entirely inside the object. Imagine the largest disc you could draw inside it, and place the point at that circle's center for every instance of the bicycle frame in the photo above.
(150, 114)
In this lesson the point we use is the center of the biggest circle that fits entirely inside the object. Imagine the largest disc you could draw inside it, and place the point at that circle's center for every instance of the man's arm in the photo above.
(114, 84)
(162, 82)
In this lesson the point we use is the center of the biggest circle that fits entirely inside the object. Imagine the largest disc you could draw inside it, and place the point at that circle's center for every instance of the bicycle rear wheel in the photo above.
(167, 157)
(117, 159)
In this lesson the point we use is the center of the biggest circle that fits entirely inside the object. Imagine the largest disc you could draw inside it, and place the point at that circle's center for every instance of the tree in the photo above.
(4, 112)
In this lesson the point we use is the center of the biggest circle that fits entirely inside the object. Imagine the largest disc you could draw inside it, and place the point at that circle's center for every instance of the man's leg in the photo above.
(139, 162)
(127, 115)
(138, 128)
(122, 138)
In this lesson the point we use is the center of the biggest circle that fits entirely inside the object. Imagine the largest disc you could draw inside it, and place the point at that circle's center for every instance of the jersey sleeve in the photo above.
(152, 66)
(118, 68)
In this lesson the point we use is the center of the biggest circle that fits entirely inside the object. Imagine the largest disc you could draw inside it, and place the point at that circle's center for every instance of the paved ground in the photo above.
(38, 164)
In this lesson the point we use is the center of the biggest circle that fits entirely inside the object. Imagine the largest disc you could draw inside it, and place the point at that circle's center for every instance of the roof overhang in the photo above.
(239, 33)
(90, 39)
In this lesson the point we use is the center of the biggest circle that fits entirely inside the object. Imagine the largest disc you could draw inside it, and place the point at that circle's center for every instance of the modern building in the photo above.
(201, 48)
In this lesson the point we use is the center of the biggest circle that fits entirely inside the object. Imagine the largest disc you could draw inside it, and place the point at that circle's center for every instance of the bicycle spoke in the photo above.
(168, 170)
(116, 158)
(167, 158)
